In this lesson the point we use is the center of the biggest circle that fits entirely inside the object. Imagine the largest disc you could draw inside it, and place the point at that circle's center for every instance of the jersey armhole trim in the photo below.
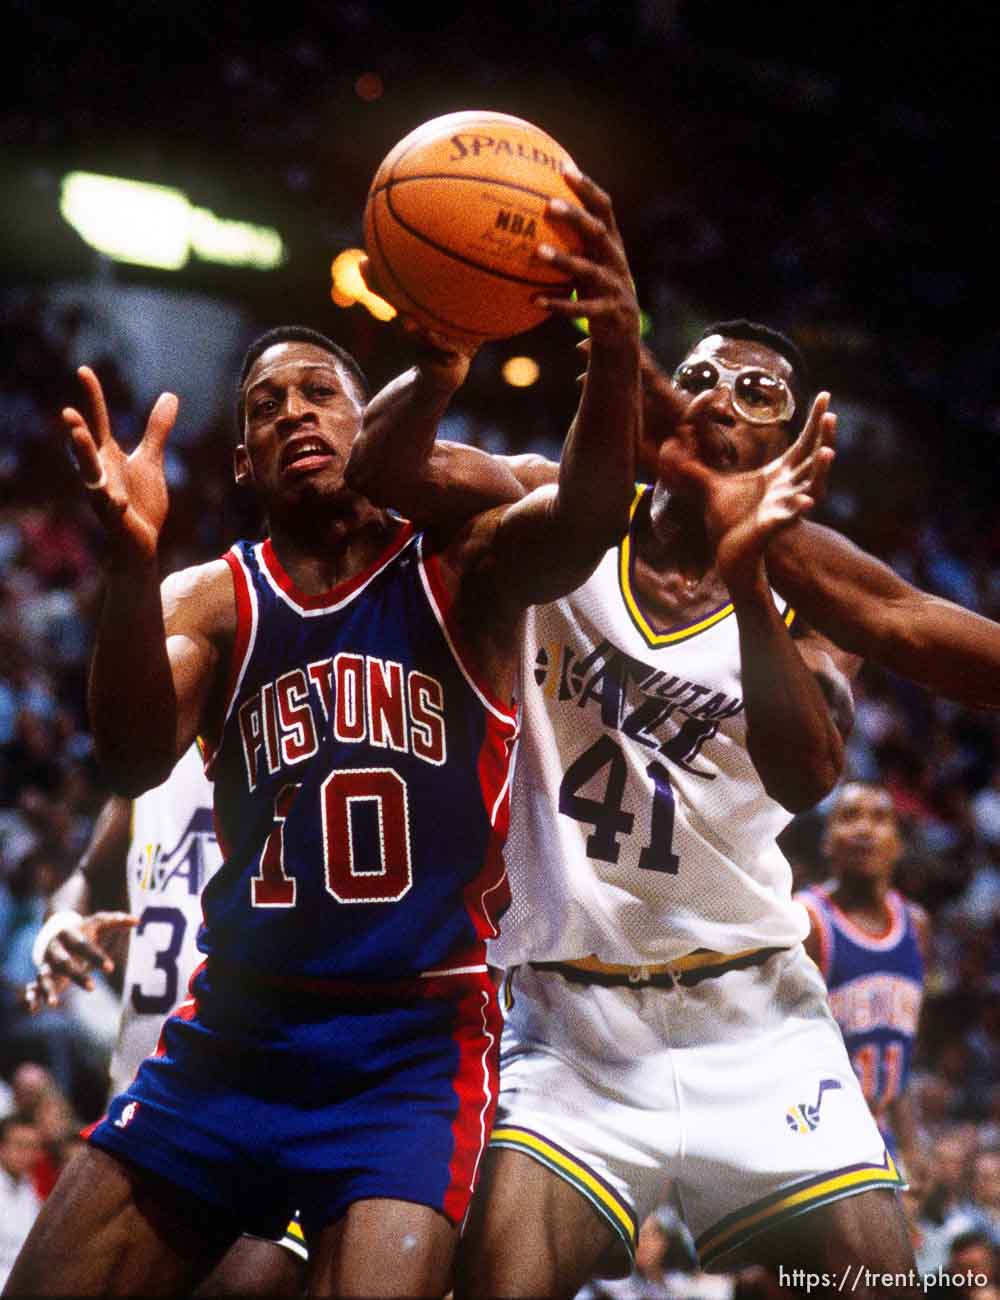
(442, 605)
(243, 643)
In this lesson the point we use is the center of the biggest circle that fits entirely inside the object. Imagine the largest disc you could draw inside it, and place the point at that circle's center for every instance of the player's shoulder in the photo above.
(919, 916)
(201, 595)
(814, 897)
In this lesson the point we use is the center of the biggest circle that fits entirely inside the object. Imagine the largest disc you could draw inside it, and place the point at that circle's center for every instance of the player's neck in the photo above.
(320, 553)
(864, 897)
(673, 568)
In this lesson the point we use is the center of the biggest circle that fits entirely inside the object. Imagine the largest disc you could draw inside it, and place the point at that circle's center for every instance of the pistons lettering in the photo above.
(880, 1001)
(356, 698)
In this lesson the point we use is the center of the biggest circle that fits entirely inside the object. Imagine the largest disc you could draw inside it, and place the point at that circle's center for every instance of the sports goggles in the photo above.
(760, 398)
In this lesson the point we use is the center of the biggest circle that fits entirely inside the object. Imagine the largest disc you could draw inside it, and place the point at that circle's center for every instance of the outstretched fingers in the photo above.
(84, 448)
(593, 198)
(100, 421)
(813, 432)
(161, 420)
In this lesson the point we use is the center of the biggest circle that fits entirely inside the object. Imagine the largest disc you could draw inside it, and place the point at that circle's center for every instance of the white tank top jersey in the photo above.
(640, 830)
(172, 855)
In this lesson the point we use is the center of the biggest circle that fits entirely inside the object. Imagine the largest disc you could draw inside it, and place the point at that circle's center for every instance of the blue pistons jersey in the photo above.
(361, 779)
(875, 984)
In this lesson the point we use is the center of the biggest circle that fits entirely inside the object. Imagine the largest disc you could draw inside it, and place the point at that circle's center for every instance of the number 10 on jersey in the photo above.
(349, 881)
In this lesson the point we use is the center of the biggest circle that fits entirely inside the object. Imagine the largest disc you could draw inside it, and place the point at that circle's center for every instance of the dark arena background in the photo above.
(827, 170)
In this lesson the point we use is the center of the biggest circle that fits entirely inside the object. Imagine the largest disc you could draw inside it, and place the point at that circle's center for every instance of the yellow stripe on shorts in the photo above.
(740, 1227)
(602, 1197)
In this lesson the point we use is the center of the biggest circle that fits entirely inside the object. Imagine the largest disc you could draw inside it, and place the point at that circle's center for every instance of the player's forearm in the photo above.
(866, 608)
(397, 461)
(131, 696)
(597, 467)
(391, 453)
(73, 895)
(791, 736)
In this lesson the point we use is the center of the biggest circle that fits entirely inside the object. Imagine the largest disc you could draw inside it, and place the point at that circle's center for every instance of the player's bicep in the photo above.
(199, 615)
(533, 556)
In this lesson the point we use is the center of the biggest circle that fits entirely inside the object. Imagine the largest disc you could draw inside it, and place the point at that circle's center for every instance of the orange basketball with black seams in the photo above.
(453, 218)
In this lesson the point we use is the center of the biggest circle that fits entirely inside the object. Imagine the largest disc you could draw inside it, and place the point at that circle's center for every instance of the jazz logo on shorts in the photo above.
(127, 1115)
(803, 1118)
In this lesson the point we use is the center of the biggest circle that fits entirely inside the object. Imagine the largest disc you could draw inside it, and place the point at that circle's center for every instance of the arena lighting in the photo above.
(349, 287)
(157, 225)
(520, 372)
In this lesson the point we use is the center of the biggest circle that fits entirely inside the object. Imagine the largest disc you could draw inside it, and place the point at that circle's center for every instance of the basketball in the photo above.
(453, 217)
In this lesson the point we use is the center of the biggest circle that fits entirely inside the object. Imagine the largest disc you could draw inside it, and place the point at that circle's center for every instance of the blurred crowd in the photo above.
(941, 763)
(798, 172)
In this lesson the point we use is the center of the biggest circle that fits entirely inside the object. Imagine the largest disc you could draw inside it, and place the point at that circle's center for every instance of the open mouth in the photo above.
(305, 454)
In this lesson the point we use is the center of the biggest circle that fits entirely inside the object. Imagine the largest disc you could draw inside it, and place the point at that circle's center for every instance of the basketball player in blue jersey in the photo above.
(870, 945)
(355, 681)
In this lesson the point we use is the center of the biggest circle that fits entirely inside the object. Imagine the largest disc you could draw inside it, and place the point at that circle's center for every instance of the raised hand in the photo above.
(600, 274)
(72, 953)
(743, 511)
(442, 359)
(129, 493)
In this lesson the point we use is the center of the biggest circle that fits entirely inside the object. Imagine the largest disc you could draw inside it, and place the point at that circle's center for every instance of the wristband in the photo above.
(66, 920)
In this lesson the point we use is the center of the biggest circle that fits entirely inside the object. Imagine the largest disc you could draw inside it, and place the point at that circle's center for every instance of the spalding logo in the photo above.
(473, 145)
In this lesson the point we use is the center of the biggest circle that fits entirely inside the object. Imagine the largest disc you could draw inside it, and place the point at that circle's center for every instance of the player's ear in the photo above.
(242, 468)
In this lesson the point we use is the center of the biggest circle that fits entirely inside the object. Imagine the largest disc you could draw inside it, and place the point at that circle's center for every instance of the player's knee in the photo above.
(253, 1267)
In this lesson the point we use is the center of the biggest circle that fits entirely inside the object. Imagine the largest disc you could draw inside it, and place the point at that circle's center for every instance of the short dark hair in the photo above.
(753, 332)
(971, 1237)
(295, 334)
(17, 1119)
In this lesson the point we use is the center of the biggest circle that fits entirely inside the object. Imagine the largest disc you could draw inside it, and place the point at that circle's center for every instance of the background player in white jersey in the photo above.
(665, 1015)
(870, 943)
(162, 848)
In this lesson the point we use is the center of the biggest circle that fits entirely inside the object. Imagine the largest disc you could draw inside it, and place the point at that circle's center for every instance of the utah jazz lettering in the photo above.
(609, 679)
(159, 867)
(359, 698)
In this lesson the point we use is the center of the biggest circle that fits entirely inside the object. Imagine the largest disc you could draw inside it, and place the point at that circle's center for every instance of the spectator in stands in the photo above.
(20, 1147)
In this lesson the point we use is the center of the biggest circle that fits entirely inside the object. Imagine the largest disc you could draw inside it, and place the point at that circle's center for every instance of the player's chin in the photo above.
(320, 486)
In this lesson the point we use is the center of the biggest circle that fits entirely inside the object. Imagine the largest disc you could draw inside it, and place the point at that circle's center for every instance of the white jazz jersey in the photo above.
(640, 830)
(172, 855)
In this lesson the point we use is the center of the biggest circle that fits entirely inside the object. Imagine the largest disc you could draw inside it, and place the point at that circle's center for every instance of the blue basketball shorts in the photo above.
(262, 1101)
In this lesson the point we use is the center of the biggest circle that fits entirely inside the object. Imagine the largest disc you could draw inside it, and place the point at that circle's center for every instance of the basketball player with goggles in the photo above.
(663, 1015)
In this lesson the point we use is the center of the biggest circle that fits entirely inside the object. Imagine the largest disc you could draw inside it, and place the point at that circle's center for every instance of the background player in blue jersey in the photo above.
(355, 681)
(870, 944)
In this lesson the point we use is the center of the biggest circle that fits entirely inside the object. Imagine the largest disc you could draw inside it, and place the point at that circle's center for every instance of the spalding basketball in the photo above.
(453, 218)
